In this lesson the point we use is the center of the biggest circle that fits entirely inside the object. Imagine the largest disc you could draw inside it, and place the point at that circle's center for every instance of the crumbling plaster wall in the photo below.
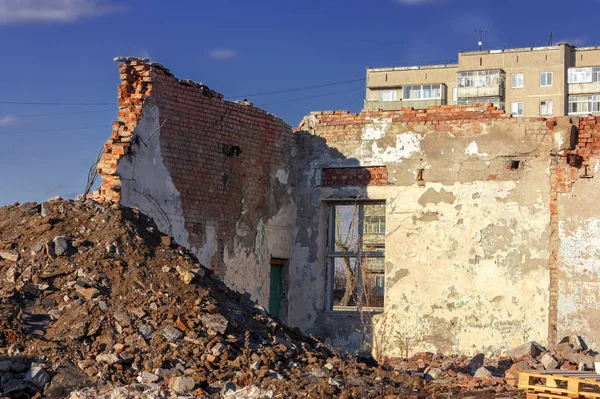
(578, 238)
(466, 247)
(218, 176)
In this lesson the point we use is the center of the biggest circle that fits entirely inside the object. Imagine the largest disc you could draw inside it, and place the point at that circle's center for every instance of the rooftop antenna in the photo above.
(550, 40)
(481, 32)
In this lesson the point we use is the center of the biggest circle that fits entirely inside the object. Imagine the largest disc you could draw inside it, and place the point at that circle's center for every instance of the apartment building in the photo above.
(535, 81)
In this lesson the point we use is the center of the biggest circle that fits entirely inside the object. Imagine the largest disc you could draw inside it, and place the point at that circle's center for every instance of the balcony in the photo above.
(473, 84)
(584, 88)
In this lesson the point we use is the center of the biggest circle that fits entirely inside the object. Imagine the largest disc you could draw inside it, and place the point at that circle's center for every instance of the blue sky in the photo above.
(62, 51)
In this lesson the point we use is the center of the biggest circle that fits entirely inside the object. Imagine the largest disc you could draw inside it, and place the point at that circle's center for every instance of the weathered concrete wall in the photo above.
(216, 175)
(467, 248)
(577, 224)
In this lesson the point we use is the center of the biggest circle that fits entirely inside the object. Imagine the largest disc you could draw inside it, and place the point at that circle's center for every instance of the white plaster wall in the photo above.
(467, 276)
(579, 262)
(247, 269)
(147, 184)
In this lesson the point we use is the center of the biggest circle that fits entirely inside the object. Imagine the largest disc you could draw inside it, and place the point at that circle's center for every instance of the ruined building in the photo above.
(452, 229)
(532, 81)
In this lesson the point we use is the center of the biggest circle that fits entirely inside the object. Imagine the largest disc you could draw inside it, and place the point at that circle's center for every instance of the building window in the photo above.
(480, 78)
(584, 104)
(516, 109)
(517, 80)
(356, 255)
(545, 108)
(546, 79)
(387, 95)
(422, 92)
(583, 75)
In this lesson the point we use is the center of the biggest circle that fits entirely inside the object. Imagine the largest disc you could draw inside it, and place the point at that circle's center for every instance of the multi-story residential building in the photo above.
(534, 81)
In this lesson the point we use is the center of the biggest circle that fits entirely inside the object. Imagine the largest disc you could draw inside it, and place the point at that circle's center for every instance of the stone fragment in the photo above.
(38, 377)
(87, 293)
(530, 348)
(172, 333)
(476, 363)
(515, 369)
(186, 275)
(482, 372)
(11, 256)
(548, 361)
(145, 376)
(182, 384)
(575, 341)
(228, 388)
(433, 374)
(565, 351)
(214, 323)
(12, 387)
(335, 382)
(146, 331)
(60, 245)
(255, 366)
(218, 349)
(109, 358)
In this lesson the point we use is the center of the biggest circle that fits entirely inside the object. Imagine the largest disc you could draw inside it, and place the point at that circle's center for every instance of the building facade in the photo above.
(540, 81)
(457, 229)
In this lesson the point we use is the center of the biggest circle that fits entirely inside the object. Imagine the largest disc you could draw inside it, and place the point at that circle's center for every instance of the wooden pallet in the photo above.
(553, 384)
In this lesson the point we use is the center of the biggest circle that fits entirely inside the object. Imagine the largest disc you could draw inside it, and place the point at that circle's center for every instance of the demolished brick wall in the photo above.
(225, 159)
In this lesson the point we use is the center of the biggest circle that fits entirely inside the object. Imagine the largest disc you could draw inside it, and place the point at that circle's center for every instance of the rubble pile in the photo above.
(96, 302)
(500, 374)
(94, 299)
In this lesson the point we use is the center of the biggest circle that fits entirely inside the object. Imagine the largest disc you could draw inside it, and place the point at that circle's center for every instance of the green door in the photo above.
(276, 283)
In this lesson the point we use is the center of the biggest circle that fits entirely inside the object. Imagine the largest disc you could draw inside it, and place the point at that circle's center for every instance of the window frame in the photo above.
(512, 81)
(481, 78)
(393, 92)
(547, 113)
(585, 72)
(517, 115)
(547, 74)
(332, 254)
(421, 92)
(593, 101)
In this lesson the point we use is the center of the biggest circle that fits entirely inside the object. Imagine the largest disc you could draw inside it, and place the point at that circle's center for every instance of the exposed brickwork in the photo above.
(199, 135)
(360, 176)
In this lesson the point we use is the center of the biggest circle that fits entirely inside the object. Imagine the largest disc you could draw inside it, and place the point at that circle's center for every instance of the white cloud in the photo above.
(418, 2)
(222, 54)
(8, 120)
(40, 11)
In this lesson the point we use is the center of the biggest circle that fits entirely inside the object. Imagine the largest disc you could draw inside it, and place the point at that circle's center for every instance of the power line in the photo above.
(266, 93)
(51, 103)
(52, 130)
(306, 98)
(349, 102)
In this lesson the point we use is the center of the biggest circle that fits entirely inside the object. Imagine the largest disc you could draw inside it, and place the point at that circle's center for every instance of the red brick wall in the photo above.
(360, 176)
(199, 130)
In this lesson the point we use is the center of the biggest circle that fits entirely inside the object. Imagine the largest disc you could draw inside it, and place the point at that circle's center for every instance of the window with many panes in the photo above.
(356, 255)
(546, 79)
(516, 109)
(545, 108)
(387, 95)
(583, 75)
(517, 80)
(480, 78)
(422, 92)
(584, 104)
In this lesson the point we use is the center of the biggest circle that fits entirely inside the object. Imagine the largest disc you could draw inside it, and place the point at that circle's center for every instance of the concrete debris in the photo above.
(182, 384)
(531, 348)
(12, 256)
(548, 361)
